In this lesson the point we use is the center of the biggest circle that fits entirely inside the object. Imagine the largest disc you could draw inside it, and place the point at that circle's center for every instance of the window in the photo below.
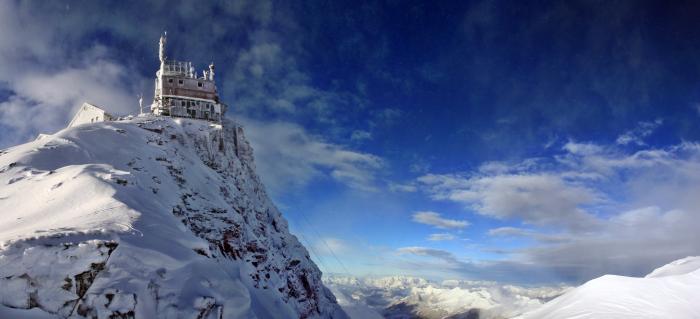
(199, 84)
(170, 80)
(179, 82)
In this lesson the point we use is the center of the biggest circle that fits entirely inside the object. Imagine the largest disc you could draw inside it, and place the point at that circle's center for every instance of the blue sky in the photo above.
(529, 141)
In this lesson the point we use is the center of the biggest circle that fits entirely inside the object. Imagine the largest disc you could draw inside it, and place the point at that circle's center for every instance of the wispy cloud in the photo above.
(288, 155)
(434, 219)
(637, 135)
(44, 81)
(529, 233)
(639, 208)
(537, 198)
(359, 135)
(51, 71)
(430, 252)
(47, 72)
(406, 188)
(510, 231)
(441, 237)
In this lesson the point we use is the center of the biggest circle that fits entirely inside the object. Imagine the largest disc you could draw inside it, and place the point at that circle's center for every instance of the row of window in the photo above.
(193, 113)
(187, 103)
(181, 82)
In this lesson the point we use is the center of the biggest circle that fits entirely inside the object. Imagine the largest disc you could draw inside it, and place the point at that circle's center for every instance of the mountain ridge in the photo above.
(149, 217)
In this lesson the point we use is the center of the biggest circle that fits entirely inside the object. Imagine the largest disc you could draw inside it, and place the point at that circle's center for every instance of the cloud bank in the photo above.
(592, 208)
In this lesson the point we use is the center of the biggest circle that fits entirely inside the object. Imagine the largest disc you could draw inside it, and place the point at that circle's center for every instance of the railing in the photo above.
(178, 67)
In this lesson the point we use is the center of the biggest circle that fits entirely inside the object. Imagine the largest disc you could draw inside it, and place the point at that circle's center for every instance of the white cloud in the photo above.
(536, 198)
(406, 188)
(430, 252)
(528, 233)
(289, 156)
(510, 231)
(45, 82)
(359, 135)
(268, 79)
(51, 71)
(582, 148)
(268, 82)
(434, 219)
(441, 237)
(630, 243)
(643, 206)
(44, 102)
(637, 135)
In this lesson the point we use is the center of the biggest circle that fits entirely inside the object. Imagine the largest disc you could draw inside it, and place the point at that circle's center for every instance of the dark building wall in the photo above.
(196, 88)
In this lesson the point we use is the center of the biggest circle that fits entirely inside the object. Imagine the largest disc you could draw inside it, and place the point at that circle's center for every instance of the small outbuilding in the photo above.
(89, 113)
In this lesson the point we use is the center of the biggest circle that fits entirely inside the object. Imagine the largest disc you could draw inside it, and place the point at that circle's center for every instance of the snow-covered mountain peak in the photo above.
(670, 291)
(152, 217)
(678, 267)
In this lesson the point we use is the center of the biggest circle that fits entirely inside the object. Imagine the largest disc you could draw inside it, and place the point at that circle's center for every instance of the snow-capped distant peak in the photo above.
(415, 297)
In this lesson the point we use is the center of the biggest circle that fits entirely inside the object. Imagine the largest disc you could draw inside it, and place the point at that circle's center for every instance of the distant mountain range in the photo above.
(413, 297)
(670, 291)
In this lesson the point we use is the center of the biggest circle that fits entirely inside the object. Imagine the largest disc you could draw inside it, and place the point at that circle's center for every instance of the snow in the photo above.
(408, 297)
(163, 218)
(150, 216)
(7, 312)
(670, 291)
(678, 267)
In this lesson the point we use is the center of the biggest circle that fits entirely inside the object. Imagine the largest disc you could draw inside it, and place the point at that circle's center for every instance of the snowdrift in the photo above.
(151, 217)
(671, 291)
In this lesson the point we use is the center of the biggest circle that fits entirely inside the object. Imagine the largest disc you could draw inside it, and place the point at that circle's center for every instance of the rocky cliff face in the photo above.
(148, 217)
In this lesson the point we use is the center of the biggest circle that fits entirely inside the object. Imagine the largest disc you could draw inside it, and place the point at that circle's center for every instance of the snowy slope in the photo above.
(672, 291)
(412, 297)
(153, 217)
(678, 267)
